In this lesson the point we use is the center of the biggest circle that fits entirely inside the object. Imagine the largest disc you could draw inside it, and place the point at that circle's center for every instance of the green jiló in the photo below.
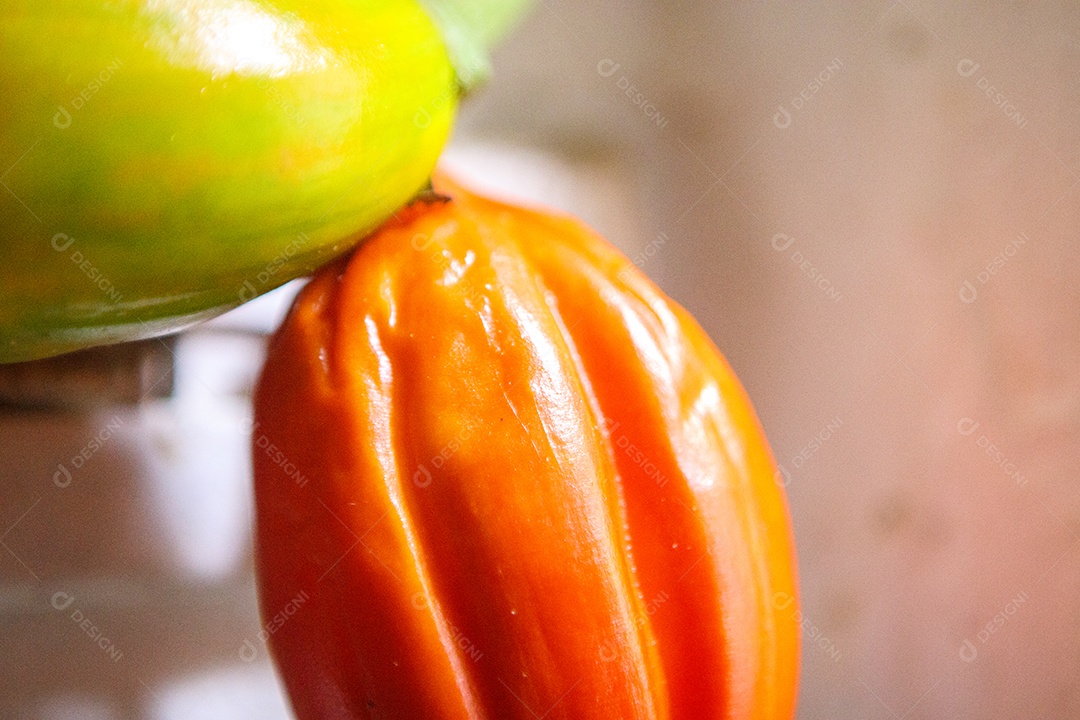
(163, 161)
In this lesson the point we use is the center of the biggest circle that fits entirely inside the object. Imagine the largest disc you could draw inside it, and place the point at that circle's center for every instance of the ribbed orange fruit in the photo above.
(500, 475)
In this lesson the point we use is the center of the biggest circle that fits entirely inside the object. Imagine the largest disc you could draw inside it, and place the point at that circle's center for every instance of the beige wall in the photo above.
(897, 180)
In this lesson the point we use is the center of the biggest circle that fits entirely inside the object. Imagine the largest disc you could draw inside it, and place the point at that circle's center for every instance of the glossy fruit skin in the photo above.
(507, 478)
(164, 160)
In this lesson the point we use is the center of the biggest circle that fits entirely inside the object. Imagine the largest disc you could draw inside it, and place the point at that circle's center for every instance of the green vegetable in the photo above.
(162, 161)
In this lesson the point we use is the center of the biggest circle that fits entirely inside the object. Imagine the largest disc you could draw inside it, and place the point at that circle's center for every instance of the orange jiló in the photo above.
(500, 475)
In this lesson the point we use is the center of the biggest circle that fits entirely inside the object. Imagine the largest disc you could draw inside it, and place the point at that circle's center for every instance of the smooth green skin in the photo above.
(222, 148)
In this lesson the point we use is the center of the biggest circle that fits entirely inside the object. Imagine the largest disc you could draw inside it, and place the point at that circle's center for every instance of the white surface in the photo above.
(128, 590)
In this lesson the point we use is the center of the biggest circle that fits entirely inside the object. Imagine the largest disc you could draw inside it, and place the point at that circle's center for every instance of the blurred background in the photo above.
(870, 206)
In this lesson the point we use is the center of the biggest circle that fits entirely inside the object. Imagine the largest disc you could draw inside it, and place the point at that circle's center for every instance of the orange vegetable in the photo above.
(500, 475)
